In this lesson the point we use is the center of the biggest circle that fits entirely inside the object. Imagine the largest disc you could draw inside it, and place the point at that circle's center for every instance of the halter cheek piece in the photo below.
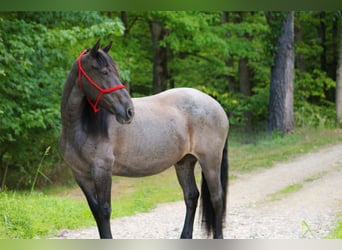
(102, 91)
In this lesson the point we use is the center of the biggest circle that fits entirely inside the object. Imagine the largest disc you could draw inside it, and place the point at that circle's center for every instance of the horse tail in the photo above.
(207, 210)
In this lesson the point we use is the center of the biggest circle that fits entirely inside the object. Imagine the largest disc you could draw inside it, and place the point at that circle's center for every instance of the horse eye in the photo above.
(104, 72)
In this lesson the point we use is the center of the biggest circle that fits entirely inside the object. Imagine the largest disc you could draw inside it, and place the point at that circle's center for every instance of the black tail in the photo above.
(207, 210)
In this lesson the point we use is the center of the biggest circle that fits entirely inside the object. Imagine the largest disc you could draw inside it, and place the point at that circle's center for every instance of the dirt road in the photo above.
(297, 199)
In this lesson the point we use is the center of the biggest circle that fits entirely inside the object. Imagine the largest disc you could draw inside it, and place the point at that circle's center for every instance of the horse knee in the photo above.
(106, 211)
(191, 199)
(217, 203)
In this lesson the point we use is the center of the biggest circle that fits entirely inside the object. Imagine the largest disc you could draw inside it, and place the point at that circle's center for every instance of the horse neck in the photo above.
(72, 100)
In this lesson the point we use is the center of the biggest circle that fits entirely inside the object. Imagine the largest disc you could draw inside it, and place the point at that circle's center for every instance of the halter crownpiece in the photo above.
(102, 91)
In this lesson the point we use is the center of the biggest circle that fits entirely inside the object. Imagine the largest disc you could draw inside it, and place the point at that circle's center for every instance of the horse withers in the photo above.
(105, 133)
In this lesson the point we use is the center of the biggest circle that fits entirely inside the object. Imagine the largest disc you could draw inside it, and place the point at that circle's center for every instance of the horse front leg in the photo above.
(97, 189)
(103, 183)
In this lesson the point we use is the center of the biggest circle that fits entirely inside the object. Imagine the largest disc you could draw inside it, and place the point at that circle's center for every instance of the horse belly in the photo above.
(145, 162)
(143, 155)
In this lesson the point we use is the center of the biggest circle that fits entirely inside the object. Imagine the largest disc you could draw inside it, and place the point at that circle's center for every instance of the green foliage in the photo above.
(35, 56)
(313, 85)
(312, 106)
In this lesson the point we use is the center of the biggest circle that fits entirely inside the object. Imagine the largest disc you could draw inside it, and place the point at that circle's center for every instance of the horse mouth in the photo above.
(123, 121)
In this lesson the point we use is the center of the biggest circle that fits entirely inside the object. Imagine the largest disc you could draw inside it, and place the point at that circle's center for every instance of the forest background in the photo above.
(229, 55)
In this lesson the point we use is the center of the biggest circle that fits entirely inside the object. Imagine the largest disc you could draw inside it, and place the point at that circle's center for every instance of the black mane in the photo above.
(95, 124)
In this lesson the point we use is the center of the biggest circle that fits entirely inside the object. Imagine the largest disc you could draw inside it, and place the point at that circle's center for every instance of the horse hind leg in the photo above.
(186, 177)
(213, 192)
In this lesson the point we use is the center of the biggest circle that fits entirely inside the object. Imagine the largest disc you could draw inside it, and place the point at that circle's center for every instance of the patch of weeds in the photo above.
(285, 191)
(336, 233)
(306, 228)
(315, 177)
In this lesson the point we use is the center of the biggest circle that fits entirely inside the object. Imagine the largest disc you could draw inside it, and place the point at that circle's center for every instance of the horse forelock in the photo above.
(103, 59)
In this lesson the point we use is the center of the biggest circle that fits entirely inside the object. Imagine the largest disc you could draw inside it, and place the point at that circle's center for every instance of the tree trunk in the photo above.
(322, 34)
(159, 58)
(300, 59)
(338, 100)
(244, 77)
(245, 87)
(335, 43)
(282, 76)
(124, 20)
(243, 68)
(229, 62)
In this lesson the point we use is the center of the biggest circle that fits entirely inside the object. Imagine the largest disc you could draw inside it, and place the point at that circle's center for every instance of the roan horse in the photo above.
(105, 133)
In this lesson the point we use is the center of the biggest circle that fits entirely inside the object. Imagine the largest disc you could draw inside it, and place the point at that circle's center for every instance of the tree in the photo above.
(338, 100)
(282, 77)
(160, 75)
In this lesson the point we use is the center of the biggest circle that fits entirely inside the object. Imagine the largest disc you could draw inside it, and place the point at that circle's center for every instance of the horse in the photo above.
(105, 132)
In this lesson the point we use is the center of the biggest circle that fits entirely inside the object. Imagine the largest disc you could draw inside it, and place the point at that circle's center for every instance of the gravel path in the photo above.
(255, 209)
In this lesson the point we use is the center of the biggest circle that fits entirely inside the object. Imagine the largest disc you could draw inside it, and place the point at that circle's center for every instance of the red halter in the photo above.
(102, 91)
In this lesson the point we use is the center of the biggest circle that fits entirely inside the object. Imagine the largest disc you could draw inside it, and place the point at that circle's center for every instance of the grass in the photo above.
(145, 193)
(293, 187)
(285, 191)
(336, 233)
(266, 150)
(30, 215)
(37, 215)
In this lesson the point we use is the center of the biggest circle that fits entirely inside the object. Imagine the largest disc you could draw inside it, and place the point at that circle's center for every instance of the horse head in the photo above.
(99, 79)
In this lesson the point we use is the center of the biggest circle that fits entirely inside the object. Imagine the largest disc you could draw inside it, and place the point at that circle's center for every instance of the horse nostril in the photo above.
(130, 113)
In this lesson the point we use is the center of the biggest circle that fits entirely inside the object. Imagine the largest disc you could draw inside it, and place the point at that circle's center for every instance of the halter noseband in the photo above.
(102, 91)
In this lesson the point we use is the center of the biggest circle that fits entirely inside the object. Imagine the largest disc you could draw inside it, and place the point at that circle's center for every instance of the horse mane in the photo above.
(94, 123)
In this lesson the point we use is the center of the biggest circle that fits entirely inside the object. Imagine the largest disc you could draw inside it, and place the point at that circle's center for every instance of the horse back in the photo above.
(198, 108)
(199, 114)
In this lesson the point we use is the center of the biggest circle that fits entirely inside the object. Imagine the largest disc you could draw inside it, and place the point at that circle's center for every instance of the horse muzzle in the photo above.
(125, 116)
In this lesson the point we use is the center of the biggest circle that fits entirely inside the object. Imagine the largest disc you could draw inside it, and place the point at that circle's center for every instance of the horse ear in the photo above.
(96, 47)
(107, 48)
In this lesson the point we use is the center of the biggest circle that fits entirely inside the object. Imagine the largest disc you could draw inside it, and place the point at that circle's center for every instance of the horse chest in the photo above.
(91, 153)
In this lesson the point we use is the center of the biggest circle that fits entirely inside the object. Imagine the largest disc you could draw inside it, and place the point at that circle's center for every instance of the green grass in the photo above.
(336, 233)
(39, 215)
(266, 150)
(31, 215)
(143, 194)
(285, 191)
(315, 177)
(293, 187)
